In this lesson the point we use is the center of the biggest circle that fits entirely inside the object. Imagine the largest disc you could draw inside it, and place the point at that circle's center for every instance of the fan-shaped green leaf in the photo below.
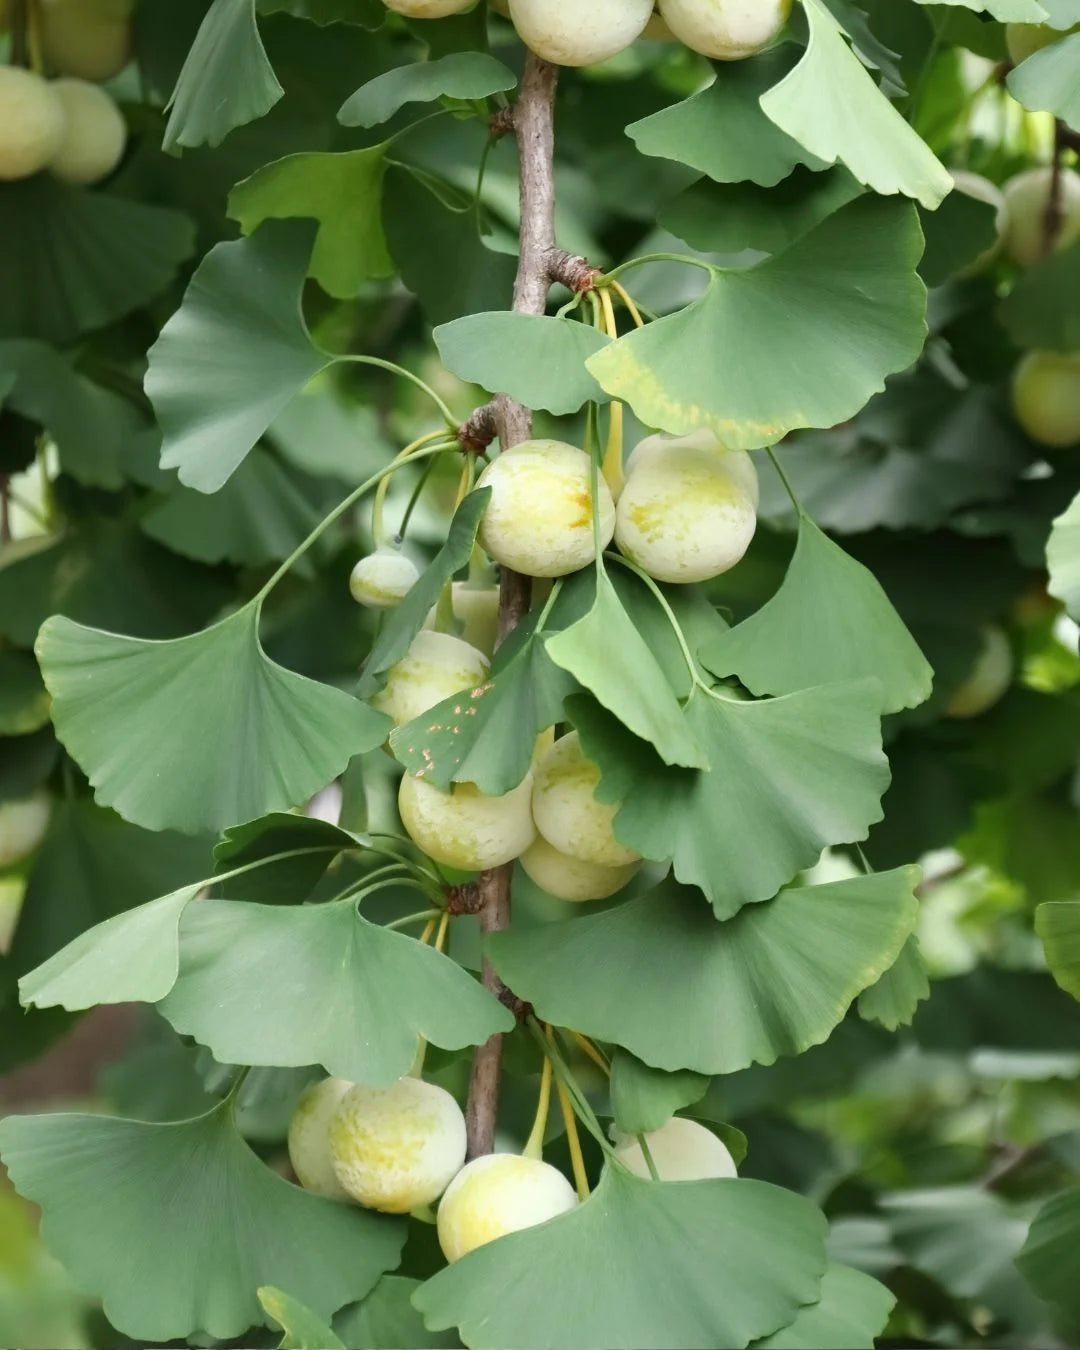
(660, 977)
(239, 735)
(226, 80)
(1005, 11)
(687, 1264)
(318, 984)
(830, 104)
(303, 1330)
(302, 847)
(460, 75)
(802, 339)
(643, 1099)
(1043, 307)
(830, 621)
(1063, 558)
(1058, 925)
(234, 353)
(1047, 1259)
(24, 700)
(387, 1318)
(791, 775)
(851, 1315)
(109, 1186)
(959, 231)
(894, 999)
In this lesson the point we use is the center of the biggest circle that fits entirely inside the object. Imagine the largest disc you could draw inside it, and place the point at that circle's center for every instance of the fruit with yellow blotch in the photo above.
(566, 810)
(309, 1137)
(382, 579)
(464, 828)
(497, 1194)
(436, 666)
(1046, 397)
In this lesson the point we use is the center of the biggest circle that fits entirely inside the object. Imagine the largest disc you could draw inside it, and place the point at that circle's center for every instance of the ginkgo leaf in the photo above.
(660, 977)
(1043, 307)
(1005, 11)
(791, 775)
(239, 735)
(387, 1318)
(830, 104)
(852, 1313)
(1057, 923)
(248, 975)
(1047, 81)
(226, 81)
(459, 75)
(343, 192)
(234, 353)
(687, 1264)
(801, 340)
(895, 998)
(1063, 558)
(24, 700)
(643, 1098)
(144, 1189)
(1047, 1259)
(830, 621)
(294, 850)
(303, 1330)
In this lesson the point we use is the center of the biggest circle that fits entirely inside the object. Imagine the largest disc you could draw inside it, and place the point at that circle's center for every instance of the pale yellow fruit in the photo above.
(1046, 397)
(539, 518)
(571, 879)
(12, 890)
(90, 39)
(681, 1150)
(990, 676)
(383, 579)
(1025, 39)
(435, 666)
(428, 9)
(686, 513)
(566, 811)
(727, 30)
(982, 190)
(31, 123)
(22, 826)
(476, 608)
(94, 133)
(735, 462)
(397, 1148)
(465, 829)
(579, 34)
(1027, 196)
(497, 1194)
(309, 1137)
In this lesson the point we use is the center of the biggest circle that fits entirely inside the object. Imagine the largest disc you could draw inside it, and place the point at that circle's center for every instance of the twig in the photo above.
(1054, 218)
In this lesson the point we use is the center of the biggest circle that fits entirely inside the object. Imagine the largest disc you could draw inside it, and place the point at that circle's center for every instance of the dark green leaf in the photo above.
(309, 847)
(24, 700)
(644, 1099)
(1047, 1259)
(303, 1330)
(460, 75)
(1058, 925)
(851, 1315)
(387, 1320)
(1043, 308)
(962, 229)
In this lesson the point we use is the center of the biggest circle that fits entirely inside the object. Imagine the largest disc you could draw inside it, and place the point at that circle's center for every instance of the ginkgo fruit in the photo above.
(497, 1194)
(397, 1148)
(94, 133)
(579, 34)
(90, 39)
(309, 1137)
(383, 579)
(1046, 397)
(476, 608)
(428, 9)
(566, 810)
(464, 828)
(23, 823)
(31, 123)
(1025, 39)
(981, 189)
(539, 519)
(727, 30)
(436, 666)
(989, 677)
(570, 878)
(1027, 199)
(681, 1150)
(688, 509)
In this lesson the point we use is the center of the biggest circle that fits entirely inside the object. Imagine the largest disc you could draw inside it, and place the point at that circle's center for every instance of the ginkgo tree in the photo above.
(525, 530)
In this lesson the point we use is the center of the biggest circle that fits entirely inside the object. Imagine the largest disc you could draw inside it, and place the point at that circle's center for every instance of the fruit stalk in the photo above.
(1055, 206)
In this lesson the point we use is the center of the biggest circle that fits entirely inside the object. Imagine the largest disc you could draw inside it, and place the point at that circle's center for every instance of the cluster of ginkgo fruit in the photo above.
(68, 125)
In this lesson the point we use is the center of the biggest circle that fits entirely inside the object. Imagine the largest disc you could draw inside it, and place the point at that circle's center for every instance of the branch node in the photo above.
(467, 899)
(577, 274)
(478, 431)
(501, 123)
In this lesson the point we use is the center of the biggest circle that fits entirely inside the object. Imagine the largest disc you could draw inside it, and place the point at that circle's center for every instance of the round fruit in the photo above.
(571, 879)
(497, 1194)
(736, 462)
(725, 29)
(31, 123)
(579, 34)
(427, 9)
(982, 190)
(539, 518)
(90, 39)
(383, 579)
(1025, 39)
(681, 1150)
(397, 1148)
(990, 676)
(94, 136)
(476, 608)
(309, 1137)
(687, 511)
(22, 826)
(1027, 197)
(1046, 397)
(465, 829)
(436, 666)
(566, 811)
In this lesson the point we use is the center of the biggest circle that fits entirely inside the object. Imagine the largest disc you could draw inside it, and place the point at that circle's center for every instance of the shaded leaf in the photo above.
(1043, 308)
(1047, 1259)
(387, 1320)
(459, 75)
(852, 1313)
(1005, 11)
(24, 700)
(893, 1000)
(303, 1330)
(1063, 558)
(960, 230)
(303, 847)
(1058, 925)
(643, 1099)
(1047, 81)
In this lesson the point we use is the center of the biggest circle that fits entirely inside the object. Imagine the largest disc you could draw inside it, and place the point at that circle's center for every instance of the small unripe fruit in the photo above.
(309, 1137)
(383, 579)
(681, 1150)
(575, 34)
(1025, 39)
(727, 30)
(31, 123)
(990, 676)
(427, 9)
(91, 41)
(436, 666)
(1046, 397)
(1027, 197)
(497, 1194)
(566, 811)
(539, 518)
(569, 878)
(476, 608)
(688, 509)
(465, 829)
(397, 1148)
(982, 190)
(94, 136)
(22, 826)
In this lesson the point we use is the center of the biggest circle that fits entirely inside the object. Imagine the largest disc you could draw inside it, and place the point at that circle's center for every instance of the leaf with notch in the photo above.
(458, 75)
